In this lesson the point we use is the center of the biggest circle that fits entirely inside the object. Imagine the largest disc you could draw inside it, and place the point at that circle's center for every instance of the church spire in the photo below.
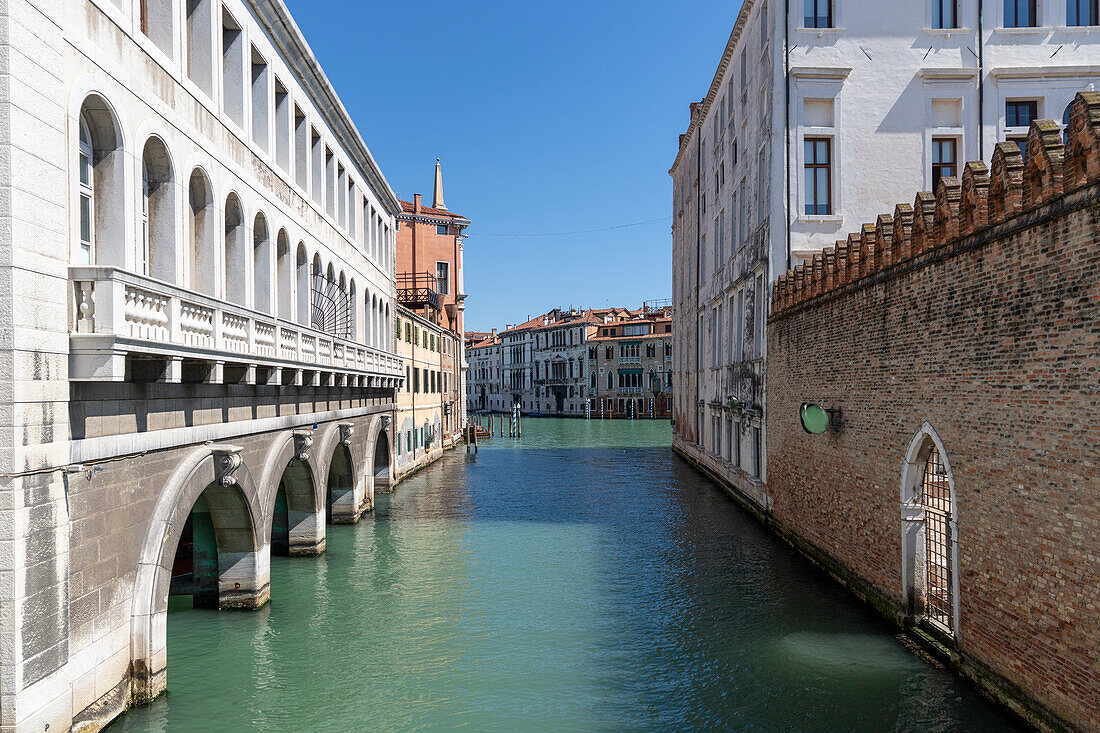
(437, 198)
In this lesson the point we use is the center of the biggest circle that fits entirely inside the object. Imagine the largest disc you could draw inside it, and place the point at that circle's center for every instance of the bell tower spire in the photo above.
(437, 197)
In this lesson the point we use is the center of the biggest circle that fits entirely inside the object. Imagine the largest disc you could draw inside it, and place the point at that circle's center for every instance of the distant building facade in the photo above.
(550, 366)
(630, 367)
(485, 378)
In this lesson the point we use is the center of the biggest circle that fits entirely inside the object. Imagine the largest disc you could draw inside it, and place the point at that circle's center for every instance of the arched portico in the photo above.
(337, 466)
(294, 520)
(380, 456)
(930, 578)
(215, 479)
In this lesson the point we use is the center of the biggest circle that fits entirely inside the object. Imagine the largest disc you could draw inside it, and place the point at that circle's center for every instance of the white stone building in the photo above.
(822, 115)
(485, 376)
(198, 267)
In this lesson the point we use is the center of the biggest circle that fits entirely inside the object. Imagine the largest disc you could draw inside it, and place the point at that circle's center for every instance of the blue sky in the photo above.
(548, 117)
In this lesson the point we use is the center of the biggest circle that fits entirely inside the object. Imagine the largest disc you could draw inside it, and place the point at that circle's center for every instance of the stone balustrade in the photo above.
(119, 314)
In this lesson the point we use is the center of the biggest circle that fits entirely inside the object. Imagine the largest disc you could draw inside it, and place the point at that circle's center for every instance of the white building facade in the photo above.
(198, 253)
(485, 376)
(822, 115)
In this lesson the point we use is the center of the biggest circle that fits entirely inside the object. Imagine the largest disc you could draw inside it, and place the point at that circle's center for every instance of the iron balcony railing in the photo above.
(417, 289)
(555, 381)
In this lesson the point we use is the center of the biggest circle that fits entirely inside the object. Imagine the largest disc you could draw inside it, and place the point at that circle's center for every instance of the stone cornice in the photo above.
(1043, 72)
(288, 39)
(716, 82)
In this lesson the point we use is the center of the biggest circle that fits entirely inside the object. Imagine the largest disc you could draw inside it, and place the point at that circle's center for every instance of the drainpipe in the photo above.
(981, 86)
(787, 114)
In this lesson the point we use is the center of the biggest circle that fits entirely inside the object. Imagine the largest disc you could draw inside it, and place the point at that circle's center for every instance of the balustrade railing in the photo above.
(113, 302)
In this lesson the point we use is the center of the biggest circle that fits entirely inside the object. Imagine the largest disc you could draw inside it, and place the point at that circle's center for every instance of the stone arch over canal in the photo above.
(213, 496)
(292, 496)
(380, 456)
(345, 489)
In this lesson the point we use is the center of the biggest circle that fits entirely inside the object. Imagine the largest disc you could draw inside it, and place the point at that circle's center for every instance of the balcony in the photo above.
(555, 381)
(629, 390)
(417, 290)
(630, 359)
(120, 314)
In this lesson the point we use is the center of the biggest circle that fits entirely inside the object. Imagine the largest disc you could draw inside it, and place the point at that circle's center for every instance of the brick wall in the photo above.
(976, 311)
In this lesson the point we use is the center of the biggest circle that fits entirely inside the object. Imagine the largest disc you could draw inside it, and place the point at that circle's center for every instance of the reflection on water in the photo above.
(581, 578)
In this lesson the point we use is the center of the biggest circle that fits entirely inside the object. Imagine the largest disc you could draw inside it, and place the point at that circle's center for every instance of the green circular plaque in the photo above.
(814, 418)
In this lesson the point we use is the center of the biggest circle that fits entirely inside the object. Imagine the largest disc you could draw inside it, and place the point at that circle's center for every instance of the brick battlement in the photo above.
(985, 197)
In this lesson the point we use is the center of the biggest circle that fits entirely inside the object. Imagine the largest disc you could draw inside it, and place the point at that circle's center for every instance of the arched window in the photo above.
(302, 282)
(375, 337)
(235, 285)
(157, 256)
(285, 268)
(261, 265)
(368, 325)
(610, 381)
(202, 225)
(935, 499)
(87, 196)
(100, 236)
(353, 319)
(929, 532)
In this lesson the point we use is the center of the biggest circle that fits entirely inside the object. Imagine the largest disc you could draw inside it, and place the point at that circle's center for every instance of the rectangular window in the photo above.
(200, 39)
(441, 229)
(945, 14)
(158, 23)
(318, 167)
(818, 175)
(819, 14)
(757, 453)
(342, 195)
(735, 448)
(282, 126)
(734, 232)
(232, 69)
(1081, 12)
(261, 89)
(758, 320)
(943, 159)
(1020, 14)
(1020, 113)
(738, 327)
(330, 182)
(762, 185)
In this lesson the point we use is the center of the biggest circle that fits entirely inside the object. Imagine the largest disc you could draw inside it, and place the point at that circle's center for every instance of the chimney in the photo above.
(437, 196)
(416, 203)
(494, 333)
(508, 327)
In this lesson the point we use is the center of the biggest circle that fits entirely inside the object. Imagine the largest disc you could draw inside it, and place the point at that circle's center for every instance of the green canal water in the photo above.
(581, 579)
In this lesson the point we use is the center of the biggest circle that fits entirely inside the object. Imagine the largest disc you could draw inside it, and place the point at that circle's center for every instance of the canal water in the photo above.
(580, 579)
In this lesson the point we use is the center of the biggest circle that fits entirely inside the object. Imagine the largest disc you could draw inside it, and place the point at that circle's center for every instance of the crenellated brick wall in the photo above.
(973, 314)
(984, 198)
